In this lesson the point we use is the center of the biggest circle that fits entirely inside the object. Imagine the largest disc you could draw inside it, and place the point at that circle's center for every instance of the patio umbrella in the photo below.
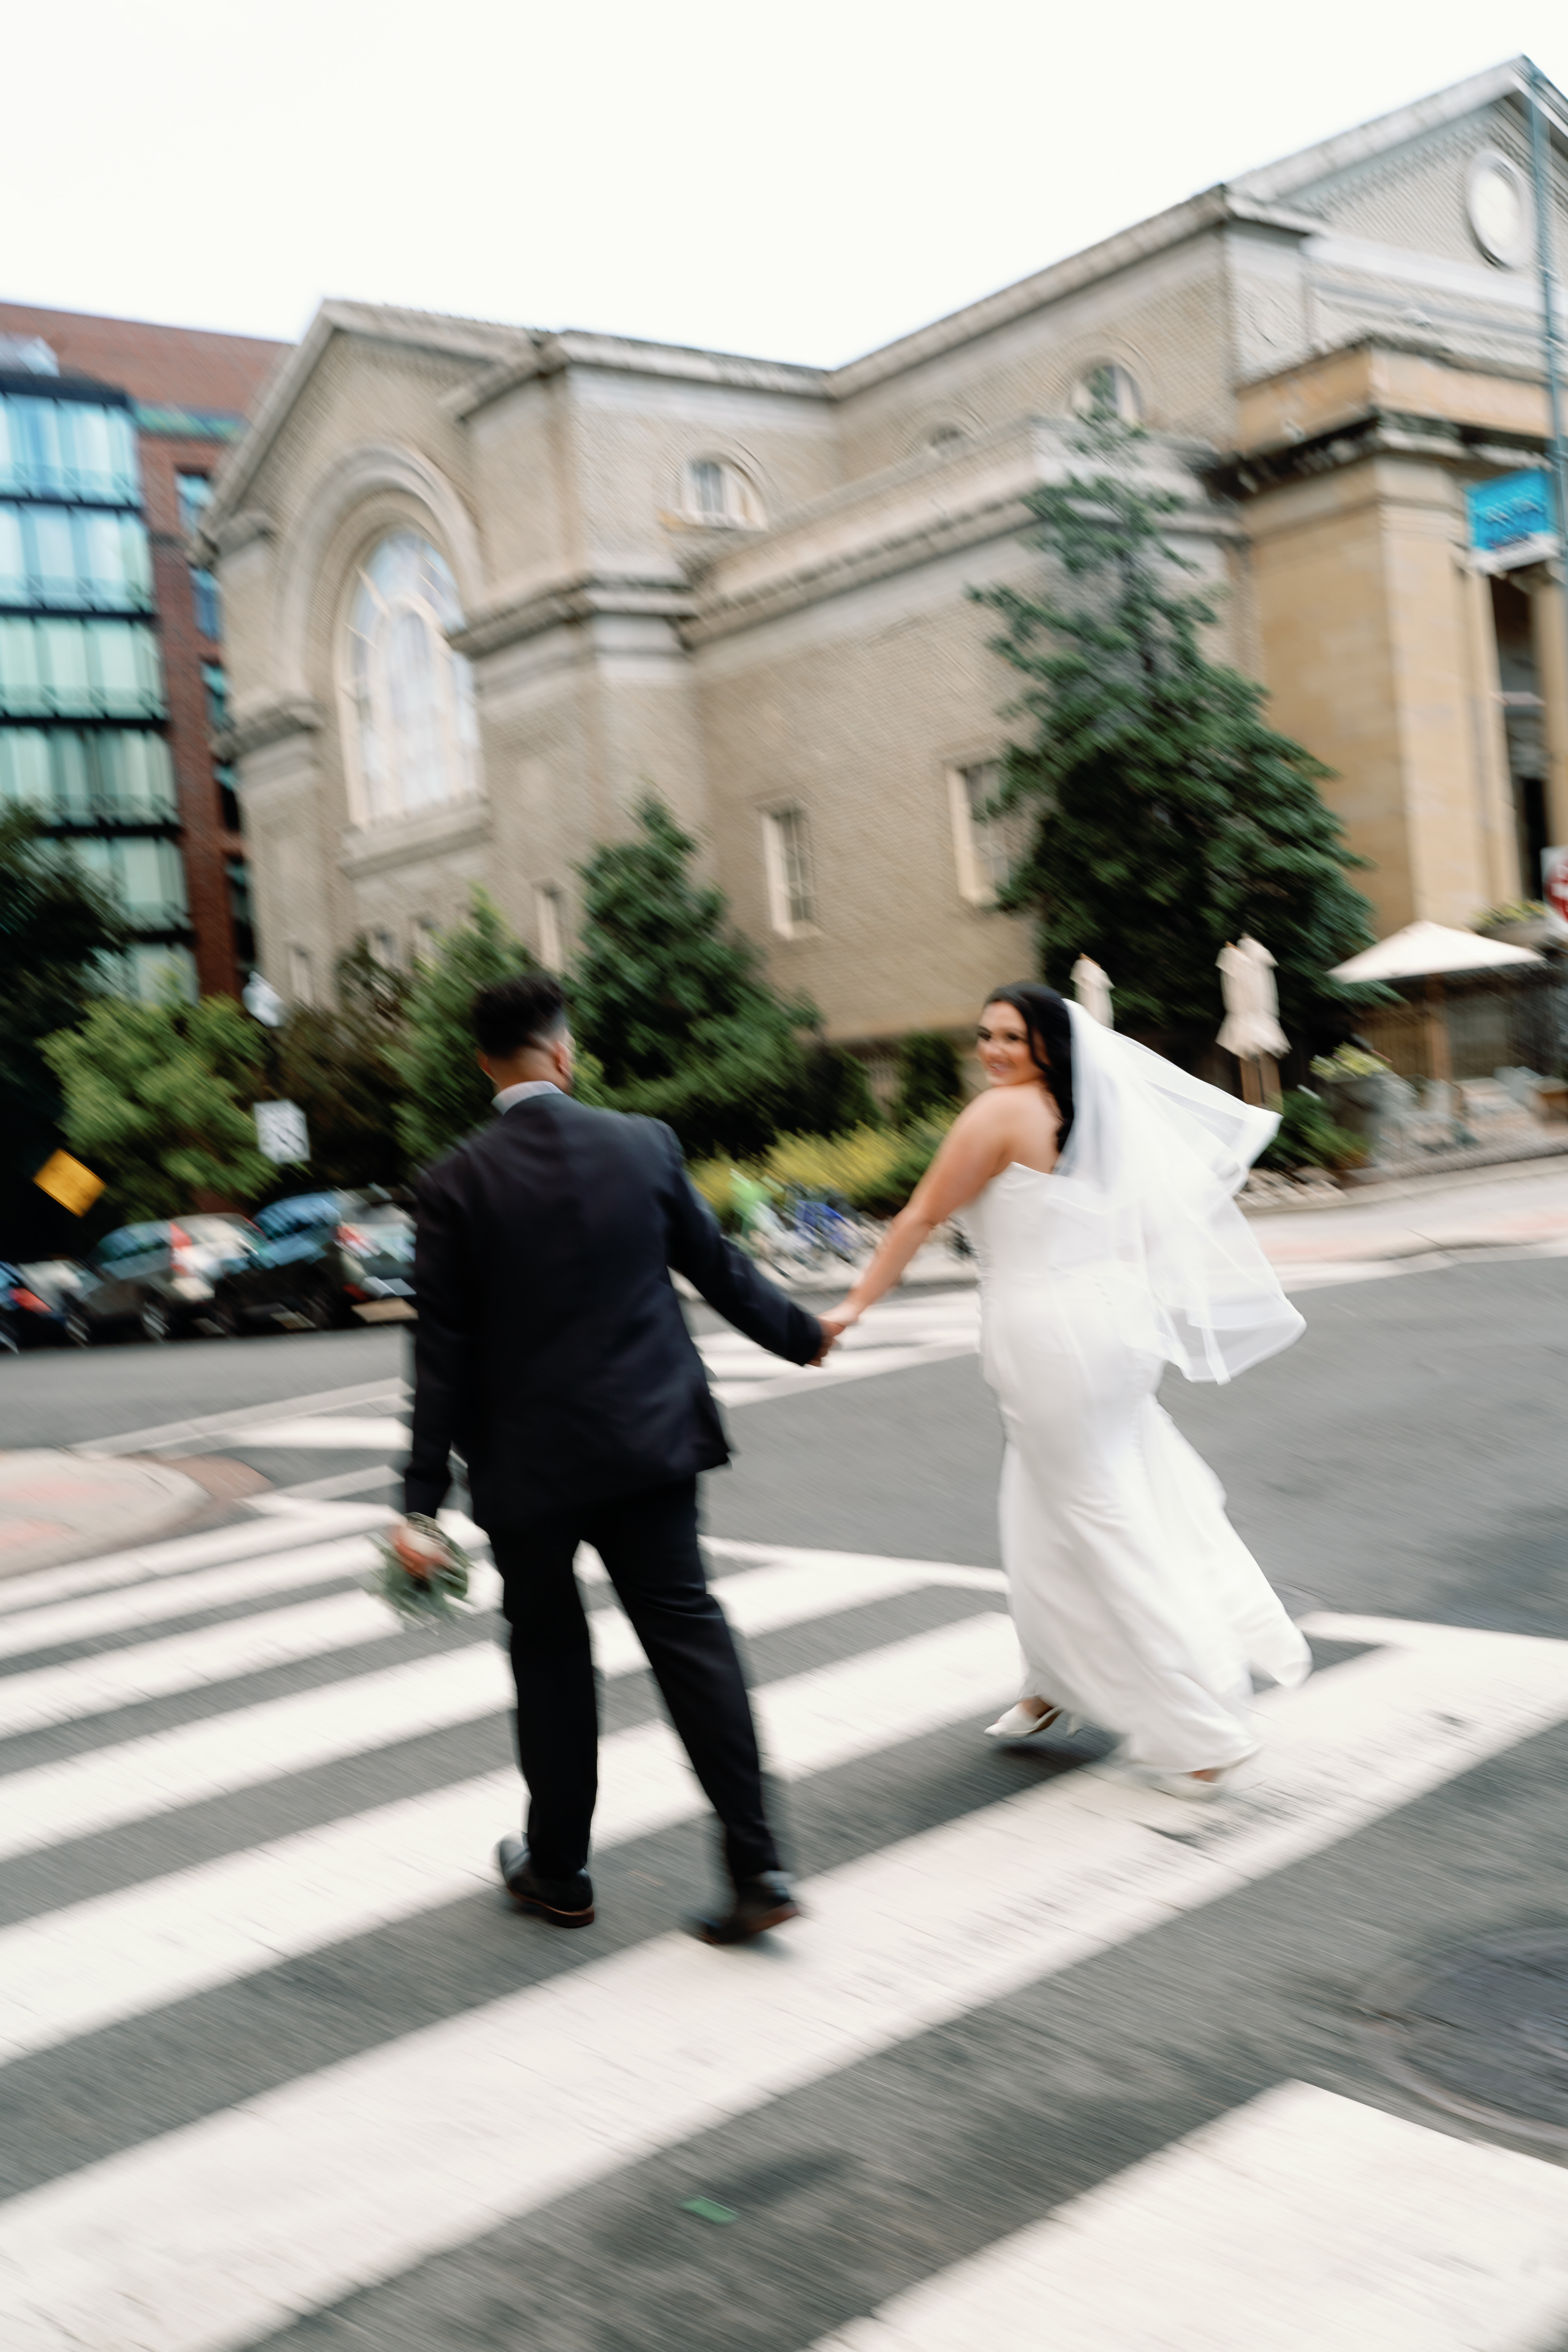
(1092, 990)
(1251, 1029)
(1430, 952)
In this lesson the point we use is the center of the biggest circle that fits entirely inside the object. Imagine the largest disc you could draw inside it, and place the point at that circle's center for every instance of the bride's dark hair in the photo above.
(1045, 1016)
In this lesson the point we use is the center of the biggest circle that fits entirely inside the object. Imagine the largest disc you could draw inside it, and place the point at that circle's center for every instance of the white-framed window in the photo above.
(383, 947)
(720, 496)
(426, 937)
(408, 699)
(302, 976)
(549, 927)
(787, 856)
(984, 847)
(1109, 386)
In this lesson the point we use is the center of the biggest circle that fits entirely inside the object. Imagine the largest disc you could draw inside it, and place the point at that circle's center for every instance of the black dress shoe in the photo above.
(564, 1902)
(760, 1904)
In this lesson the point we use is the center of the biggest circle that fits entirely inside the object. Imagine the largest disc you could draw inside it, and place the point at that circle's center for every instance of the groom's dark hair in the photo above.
(528, 1010)
(1049, 1025)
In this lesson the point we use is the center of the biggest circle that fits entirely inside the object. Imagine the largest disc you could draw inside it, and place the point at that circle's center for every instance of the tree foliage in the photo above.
(158, 1099)
(338, 1064)
(445, 1093)
(1168, 815)
(55, 925)
(673, 1006)
(928, 1081)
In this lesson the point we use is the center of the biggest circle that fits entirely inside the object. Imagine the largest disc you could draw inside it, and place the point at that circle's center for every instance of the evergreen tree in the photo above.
(56, 927)
(672, 1005)
(337, 1063)
(446, 1094)
(158, 1100)
(928, 1077)
(1168, 815)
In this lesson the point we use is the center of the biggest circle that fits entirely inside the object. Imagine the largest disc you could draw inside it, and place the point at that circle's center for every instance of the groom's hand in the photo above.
(831, 1327)
(417, 1552)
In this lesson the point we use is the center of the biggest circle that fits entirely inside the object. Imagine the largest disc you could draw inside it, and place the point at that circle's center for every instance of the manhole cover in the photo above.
(1483, 2033)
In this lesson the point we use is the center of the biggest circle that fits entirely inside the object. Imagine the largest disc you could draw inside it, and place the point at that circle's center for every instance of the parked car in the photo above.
(160, 1278)
(35, 1300)
(327, 1259)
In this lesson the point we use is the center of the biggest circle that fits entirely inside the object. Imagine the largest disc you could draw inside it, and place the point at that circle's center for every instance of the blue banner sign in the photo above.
(1507, 512)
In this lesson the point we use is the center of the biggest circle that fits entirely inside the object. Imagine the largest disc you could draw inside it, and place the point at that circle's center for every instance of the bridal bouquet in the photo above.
(440, 1595)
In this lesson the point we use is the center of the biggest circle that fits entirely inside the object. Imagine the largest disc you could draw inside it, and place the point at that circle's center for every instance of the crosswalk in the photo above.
(247, 1813)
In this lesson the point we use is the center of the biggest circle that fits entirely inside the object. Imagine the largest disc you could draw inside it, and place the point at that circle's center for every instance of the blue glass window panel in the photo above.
(217, 686)
(71, 449)
(205, 597)
(108, 669)
(192, 490)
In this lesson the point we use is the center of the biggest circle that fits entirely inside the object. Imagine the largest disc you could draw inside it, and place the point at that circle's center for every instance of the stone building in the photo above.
(485, 584)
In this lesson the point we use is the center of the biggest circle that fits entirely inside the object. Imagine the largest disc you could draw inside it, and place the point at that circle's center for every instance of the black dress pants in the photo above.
(649, 1545)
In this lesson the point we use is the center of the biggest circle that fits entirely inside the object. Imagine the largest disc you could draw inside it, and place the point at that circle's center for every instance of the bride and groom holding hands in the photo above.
(1096, 1181)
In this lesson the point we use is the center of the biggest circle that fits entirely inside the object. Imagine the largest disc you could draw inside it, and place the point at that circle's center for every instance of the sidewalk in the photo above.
(56, 1506)
(1516, 1205)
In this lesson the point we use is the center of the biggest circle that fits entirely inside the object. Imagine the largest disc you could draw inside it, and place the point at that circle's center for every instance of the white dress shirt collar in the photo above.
(520, 1093)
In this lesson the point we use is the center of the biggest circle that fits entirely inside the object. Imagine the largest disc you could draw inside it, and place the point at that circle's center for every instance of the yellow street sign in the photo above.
(65, 1180)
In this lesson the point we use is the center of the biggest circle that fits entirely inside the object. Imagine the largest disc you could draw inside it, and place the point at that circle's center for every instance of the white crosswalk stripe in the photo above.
(208, 2237)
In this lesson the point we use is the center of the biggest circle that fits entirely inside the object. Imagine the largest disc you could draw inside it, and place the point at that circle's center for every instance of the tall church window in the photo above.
(409, 698)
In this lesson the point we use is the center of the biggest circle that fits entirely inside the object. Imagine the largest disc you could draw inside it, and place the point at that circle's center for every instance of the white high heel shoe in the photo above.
(1020, 1724)
(1188, 1785)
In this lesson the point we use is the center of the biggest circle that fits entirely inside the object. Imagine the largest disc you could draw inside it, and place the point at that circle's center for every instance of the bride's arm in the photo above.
(976, 1147)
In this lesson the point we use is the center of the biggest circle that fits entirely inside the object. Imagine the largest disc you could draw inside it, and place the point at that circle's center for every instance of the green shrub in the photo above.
(1309, 1138)
(928, 1077)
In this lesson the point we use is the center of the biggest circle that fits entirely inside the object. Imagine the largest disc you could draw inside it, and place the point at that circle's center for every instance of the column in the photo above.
(1547, 621)
(1494, 786)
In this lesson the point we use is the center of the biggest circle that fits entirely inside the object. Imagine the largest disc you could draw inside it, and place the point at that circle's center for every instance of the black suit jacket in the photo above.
(551, 1350)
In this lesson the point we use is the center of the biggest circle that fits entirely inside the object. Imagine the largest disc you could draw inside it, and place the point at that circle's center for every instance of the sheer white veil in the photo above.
(1147, 1183)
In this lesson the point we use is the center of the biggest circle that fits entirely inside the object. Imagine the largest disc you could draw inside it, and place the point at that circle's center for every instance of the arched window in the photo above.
(719, 495)
(1109, 387)
(410, 697)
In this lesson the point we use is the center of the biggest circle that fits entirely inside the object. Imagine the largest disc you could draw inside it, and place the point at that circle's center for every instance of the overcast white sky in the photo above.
(803, 181)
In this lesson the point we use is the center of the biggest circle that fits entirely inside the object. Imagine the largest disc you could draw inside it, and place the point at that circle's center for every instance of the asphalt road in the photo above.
(1405, 1460)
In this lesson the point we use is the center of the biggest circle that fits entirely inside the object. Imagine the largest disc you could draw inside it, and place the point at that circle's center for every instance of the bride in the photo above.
(1098, 1181)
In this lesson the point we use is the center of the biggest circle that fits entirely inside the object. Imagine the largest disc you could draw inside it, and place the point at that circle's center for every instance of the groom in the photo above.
(552, 1351)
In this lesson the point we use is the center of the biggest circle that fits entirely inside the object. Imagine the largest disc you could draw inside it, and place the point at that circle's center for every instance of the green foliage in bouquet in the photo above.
(436, 1599)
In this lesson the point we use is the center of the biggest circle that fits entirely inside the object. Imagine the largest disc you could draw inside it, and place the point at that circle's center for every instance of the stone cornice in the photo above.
(913, 514)
(402, 841)
(1182, 222)
(480, 341)
(273, 723)
(235, 531)
(624, 355)
(571, 601)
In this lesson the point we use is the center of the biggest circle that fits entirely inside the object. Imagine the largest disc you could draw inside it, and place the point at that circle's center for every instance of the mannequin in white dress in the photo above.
(1098, 1181)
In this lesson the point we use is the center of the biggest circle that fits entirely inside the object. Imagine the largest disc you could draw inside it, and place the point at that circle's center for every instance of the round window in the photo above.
(1499, 208)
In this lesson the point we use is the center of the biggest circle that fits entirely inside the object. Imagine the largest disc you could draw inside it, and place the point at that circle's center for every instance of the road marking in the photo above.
(113, 1784)
(1299, 2219)
(71, 1971)
(346, 1434)
(178, 1436)
(127, 1607)
(210, 2236)
(177, 1556)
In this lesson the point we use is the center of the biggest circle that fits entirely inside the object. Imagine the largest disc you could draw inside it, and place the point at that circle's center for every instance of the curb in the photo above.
(55, 1507)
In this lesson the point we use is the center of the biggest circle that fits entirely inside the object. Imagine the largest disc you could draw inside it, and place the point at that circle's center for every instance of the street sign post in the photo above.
(281, 1134)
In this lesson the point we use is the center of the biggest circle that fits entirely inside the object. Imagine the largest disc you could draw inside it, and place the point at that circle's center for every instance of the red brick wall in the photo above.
(184, 364)
(188, 369)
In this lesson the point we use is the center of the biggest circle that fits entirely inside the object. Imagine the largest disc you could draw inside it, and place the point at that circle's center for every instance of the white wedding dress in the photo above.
(1137, 1606)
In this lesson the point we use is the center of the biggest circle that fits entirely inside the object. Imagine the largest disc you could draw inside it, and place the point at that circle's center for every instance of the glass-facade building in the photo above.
(83, 709)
